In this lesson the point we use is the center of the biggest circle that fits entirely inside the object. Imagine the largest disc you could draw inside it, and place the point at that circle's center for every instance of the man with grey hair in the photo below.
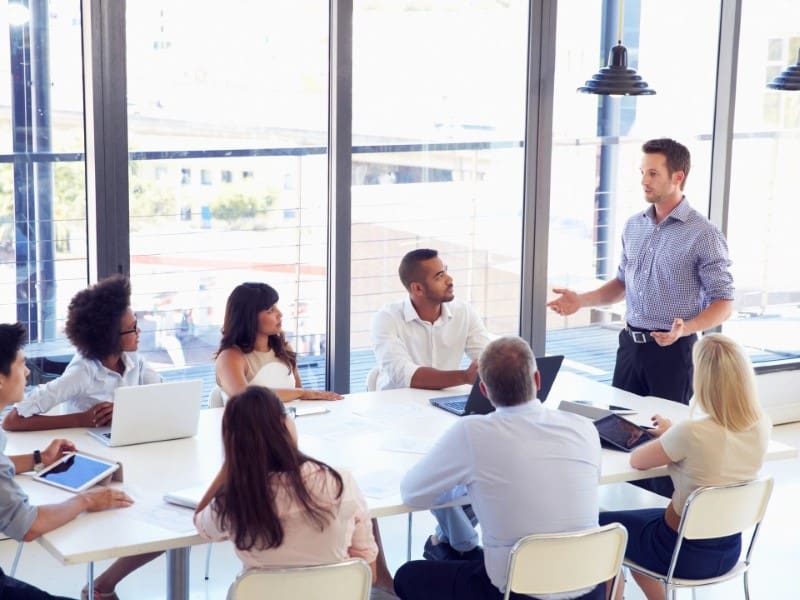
(524, 468)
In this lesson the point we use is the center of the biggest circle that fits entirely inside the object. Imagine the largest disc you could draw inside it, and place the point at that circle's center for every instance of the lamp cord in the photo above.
(619, 21)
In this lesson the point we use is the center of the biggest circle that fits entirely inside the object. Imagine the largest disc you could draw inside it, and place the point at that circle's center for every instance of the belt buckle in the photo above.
(639, 337)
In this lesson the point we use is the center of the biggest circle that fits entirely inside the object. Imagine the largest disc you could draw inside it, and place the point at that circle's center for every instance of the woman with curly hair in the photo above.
(254, 350)
(103, 328)
(285, 509)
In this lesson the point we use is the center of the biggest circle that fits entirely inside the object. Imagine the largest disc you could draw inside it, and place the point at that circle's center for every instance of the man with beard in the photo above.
(420, 342)
(675, 278)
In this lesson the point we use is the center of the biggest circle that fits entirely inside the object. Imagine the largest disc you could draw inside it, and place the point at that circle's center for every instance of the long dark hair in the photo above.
(240, 325)
(262, 457)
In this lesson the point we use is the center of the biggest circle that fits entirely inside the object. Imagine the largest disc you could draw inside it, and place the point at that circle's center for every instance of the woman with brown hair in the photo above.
(279, 506)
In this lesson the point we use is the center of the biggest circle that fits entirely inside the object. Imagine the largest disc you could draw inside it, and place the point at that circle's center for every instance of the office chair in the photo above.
(372, 379)
(713, 512)
(348, 580)
(563, 562)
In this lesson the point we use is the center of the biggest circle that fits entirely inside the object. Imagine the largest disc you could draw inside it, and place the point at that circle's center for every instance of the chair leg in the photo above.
(90, 578)
(408, 538)
(747, 585)
(208, 561)
(17, 556)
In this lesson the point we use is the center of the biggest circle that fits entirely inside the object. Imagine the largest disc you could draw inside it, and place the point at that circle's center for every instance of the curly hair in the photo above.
(94, 316)
(240, 324)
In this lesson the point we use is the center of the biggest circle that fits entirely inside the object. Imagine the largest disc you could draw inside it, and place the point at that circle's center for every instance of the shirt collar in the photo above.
(679, 213)
(410, 313)
(531, 406)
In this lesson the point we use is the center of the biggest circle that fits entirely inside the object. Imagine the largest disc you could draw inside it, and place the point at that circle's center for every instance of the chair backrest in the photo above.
(216, 397)
(349, 580)
(713, 512)
(372, 379)
(562, 562)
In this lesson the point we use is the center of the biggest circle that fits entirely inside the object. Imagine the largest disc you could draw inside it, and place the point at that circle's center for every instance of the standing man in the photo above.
(526, 469)
(18, 518)
(675, 278)
(419, 342)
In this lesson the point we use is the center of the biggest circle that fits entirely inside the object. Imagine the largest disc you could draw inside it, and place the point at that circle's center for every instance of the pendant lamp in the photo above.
(789, 79)
(617, 79)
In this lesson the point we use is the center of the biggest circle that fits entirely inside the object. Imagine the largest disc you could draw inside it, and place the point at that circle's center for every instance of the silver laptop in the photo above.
(153, 413)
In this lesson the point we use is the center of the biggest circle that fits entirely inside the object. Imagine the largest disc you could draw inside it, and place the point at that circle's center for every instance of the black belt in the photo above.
(638, 335)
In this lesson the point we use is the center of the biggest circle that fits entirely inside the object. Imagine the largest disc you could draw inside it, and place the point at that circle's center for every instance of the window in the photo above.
(763, 212)
(42, 184)
(200, 109)
(437, 154)
(597, 149)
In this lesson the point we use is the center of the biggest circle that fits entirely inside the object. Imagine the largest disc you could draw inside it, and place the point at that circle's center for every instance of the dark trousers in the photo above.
(652, 370)
(456, 580)
(14, 589)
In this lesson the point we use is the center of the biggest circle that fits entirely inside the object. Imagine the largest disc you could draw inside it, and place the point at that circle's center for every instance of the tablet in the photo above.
(621, 433)
(76, 472)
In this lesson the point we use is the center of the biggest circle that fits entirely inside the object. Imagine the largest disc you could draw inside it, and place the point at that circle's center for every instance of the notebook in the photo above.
(153, 413)
(477, 404)
(186, 497)
(619, 433)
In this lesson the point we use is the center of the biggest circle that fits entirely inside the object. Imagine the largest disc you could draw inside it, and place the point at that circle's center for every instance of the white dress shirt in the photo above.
(525, 469)
(84, 383)
(403, 342)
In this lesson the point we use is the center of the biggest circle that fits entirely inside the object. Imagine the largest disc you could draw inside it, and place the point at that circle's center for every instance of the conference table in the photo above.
(376, 435)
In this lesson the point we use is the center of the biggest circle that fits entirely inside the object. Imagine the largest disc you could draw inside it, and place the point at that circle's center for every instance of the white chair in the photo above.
(216, 398)
(562, 562)
(349, 580)
(713, 512)
(372, 379)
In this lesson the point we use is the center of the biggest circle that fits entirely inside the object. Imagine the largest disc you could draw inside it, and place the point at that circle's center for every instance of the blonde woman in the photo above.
(723, 442)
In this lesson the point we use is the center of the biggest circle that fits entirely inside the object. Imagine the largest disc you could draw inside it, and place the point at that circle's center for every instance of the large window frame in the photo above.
(107, 158)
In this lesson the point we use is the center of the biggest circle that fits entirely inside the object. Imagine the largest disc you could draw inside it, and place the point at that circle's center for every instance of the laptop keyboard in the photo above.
(457, 405)
(106, 434)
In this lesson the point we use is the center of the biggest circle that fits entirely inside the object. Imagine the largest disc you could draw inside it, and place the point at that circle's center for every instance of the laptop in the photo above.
(619, 433)
(477, 404)
(153, 413)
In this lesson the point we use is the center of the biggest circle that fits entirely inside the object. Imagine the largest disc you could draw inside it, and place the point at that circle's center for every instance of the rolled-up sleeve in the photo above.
(391, 353)
(713, 267)
(73, 383)
(16, 512)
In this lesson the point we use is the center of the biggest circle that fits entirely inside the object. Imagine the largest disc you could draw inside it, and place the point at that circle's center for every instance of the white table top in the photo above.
(376, 435)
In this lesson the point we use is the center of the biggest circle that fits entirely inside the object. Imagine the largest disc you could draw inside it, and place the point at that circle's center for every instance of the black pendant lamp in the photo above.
(617, 79)
(789, 79)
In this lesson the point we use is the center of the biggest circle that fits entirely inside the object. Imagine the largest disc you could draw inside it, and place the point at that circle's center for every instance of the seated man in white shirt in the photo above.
(525, 468)
(419, 342)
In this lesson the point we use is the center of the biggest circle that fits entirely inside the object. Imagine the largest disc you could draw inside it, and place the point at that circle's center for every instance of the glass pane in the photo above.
(228, 171)
(42, 181)
(596, 154)
(762, 230)
(438, 124)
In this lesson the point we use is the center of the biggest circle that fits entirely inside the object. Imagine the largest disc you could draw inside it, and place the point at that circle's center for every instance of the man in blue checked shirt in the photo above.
(675, 278)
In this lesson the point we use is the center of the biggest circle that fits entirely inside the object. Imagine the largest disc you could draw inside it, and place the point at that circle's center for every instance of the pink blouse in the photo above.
(348, 535)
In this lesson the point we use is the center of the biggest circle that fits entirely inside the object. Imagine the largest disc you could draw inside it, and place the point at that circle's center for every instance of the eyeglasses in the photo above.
(135, 329)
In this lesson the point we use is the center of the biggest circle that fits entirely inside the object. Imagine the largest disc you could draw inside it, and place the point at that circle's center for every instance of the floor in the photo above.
(774, 573)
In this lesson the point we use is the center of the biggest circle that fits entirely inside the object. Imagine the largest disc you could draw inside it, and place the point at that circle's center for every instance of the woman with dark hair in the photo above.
(102, 327)
(279, 506)
(254, 350)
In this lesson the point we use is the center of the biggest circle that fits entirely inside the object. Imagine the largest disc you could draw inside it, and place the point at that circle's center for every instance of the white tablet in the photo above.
(76, 472)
